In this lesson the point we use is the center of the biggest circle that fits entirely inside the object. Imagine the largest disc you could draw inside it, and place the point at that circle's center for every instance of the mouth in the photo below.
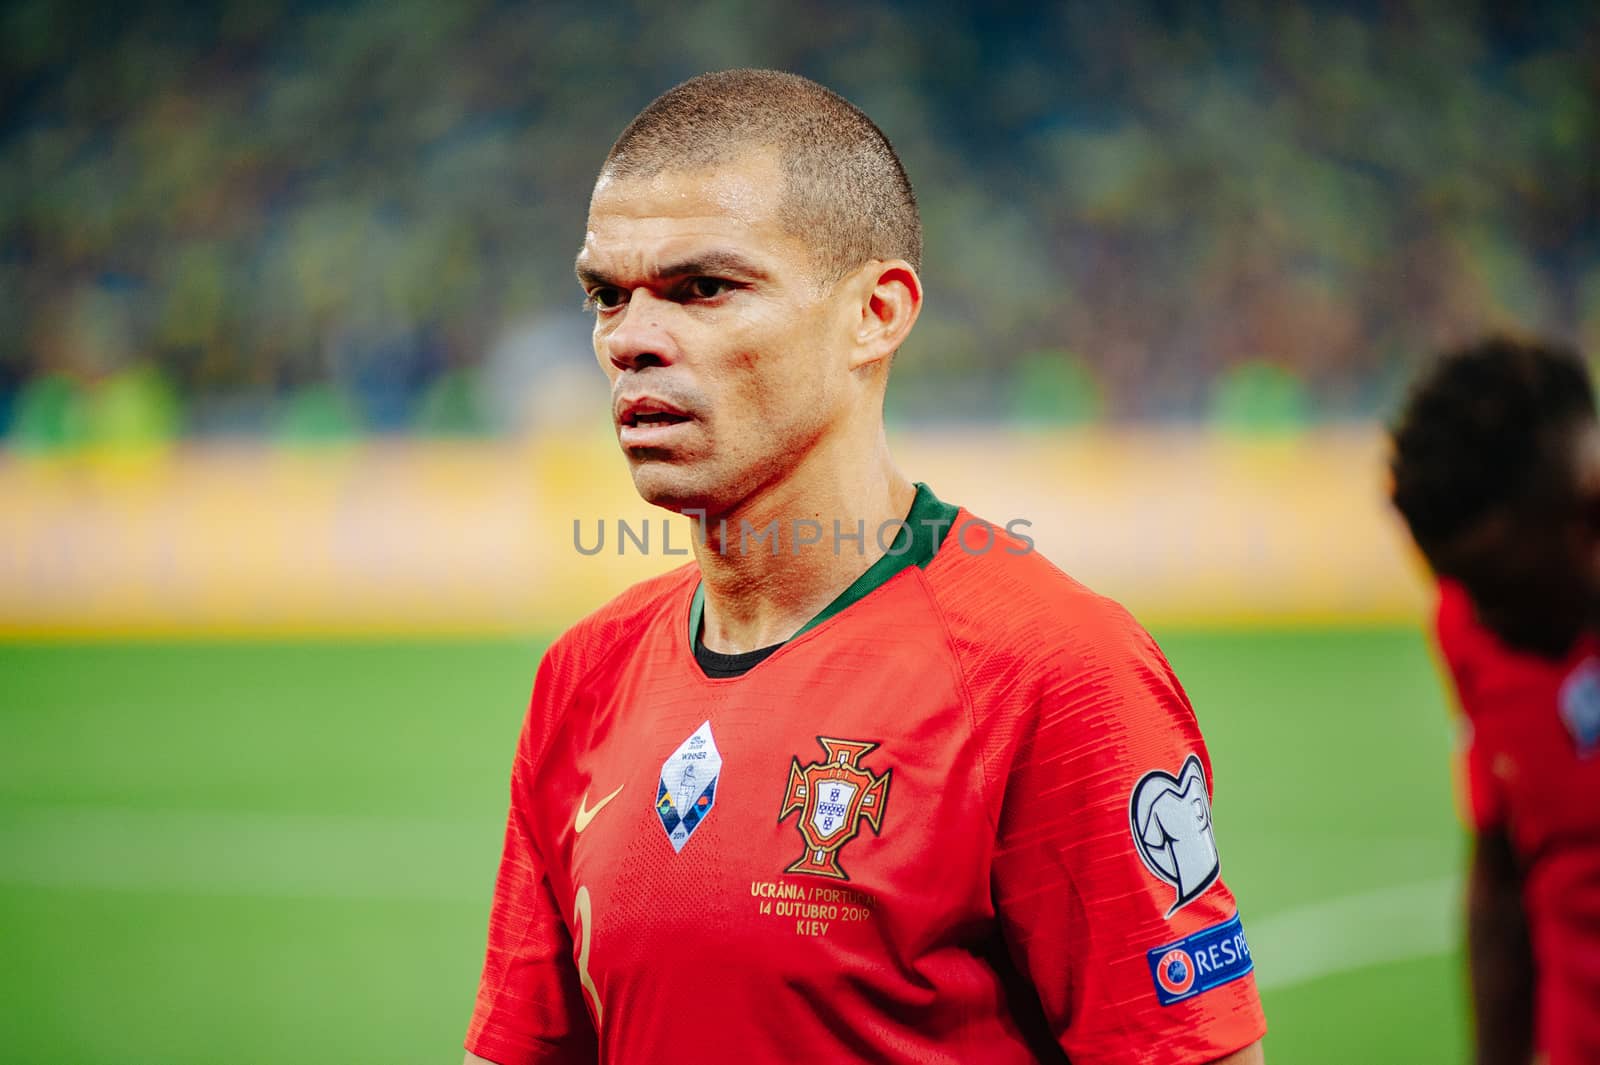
(648, 422)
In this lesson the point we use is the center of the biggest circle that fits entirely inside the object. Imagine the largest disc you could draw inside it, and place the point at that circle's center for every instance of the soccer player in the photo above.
(869, 780)
(1496, 465)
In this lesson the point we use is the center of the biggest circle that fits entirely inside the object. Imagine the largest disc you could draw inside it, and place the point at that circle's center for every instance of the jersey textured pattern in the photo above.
(909, 835)
(1531, 767)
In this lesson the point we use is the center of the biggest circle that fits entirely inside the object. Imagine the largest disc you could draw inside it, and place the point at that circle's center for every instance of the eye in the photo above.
(708, 288)
(604, 298)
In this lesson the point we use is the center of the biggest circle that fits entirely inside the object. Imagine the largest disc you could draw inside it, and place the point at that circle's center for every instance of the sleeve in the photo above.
(1481, 800)
(1106, 875)
(529, 1008)
(1460, 643)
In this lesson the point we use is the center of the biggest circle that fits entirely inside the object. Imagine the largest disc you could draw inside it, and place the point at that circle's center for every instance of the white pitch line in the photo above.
(250, 854)
(1338, 935)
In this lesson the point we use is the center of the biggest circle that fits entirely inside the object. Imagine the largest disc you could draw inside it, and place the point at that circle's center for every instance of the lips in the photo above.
(645, 421)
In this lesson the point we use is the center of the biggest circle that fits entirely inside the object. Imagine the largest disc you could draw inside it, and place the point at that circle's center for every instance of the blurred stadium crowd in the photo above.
(312, 220)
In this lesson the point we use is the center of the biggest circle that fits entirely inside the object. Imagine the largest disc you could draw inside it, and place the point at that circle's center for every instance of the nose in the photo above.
(637, 336)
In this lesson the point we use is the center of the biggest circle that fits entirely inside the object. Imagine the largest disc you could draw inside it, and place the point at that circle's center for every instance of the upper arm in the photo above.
(1480, 791)
(1499, 954)
(1106, 874)
(1495, 917)
(1494, 867)
(1250, 1055)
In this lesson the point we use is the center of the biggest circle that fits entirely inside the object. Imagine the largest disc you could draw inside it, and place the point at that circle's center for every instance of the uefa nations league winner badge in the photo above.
(688, 786)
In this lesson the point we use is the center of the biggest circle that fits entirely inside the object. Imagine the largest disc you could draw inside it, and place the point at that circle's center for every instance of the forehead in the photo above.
(636, 222)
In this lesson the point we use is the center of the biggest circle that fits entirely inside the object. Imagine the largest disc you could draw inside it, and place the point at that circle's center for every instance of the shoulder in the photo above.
(619, 624)
(1452, 616)
(1469, 651)
(1066, 688)
(1009, 607)
(588, 647)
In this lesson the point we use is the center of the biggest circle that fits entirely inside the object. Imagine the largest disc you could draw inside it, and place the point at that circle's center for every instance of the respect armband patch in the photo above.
(1210, 958)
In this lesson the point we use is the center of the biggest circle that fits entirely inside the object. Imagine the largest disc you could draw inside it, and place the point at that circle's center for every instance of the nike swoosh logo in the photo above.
(581, 822)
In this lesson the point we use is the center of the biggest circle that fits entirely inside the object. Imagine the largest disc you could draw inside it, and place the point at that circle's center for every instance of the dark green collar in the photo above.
(925, 527)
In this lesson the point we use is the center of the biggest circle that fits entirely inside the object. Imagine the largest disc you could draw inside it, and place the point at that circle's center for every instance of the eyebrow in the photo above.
(717, 263)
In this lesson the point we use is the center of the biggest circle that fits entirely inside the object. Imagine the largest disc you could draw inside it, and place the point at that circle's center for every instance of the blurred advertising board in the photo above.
(432, 538)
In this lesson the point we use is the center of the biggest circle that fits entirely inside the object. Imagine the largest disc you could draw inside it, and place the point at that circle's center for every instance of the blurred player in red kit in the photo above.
(869, 780)
(1496, 465)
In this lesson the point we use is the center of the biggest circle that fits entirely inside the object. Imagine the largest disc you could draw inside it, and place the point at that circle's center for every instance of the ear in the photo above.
(889, 298)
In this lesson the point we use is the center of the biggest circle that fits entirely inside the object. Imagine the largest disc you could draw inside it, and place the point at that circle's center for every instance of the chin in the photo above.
(671, 487)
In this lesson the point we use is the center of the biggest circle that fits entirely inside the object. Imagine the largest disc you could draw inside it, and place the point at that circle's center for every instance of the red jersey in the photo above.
(1531, 767)
(964, 816)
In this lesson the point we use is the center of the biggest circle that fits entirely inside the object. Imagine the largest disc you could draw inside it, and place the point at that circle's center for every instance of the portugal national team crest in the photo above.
(833, 797)
(688, 786)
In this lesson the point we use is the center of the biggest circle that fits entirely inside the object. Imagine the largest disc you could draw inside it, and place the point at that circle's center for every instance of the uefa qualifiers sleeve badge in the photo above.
(1171, 821)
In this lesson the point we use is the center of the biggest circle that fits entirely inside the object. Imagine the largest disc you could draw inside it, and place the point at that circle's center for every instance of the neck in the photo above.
(779, 557)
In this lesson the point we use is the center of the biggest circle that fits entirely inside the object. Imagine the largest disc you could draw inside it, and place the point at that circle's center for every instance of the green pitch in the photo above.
(283, 853)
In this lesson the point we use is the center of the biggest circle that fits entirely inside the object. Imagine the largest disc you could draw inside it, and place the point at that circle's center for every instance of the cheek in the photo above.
(782, 393)
(774, 387)
(597, 343)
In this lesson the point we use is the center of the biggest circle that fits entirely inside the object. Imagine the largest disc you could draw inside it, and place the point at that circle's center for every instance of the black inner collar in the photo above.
(717, 665)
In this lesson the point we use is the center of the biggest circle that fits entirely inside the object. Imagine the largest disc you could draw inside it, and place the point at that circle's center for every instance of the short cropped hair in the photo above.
(1486, 429)
(847, 194)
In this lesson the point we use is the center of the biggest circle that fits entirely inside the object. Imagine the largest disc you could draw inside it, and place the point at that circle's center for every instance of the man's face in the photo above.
(728, 361)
